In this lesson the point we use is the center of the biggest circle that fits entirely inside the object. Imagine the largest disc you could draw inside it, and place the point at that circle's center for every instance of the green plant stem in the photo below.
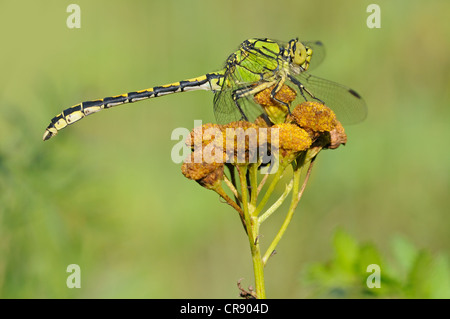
(232, 188)
(296, 195)
(277, 204)
(263, 181)
(253, 170)
(258, 267)
(252, 227)
(270, 190)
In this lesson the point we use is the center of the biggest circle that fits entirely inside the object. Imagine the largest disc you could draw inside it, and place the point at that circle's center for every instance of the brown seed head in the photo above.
(241, 138)
(206, 174)
(314, 116)
(285, 94)
(263, 121)
(337, 136)
(201, 136)
(275, 110)
(292, 138)
(232, 130)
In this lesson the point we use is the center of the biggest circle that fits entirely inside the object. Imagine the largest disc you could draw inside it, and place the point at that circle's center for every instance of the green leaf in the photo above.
(405, 253)
(368, 255)
(346, 250)
(418, 284)
(440, 278)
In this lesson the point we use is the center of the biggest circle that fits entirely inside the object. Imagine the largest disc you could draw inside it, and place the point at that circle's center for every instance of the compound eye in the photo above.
(308, 54)
(300, 54)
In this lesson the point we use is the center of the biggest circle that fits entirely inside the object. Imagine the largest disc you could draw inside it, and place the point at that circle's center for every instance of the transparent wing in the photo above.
(244, 74)
(226, 110)
(348, 105)
(345, 102)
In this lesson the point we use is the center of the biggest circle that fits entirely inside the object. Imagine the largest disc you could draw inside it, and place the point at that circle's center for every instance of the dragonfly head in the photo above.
(300, 55)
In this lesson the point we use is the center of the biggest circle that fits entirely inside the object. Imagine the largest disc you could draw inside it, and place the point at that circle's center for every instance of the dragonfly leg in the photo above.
(302, 89)
(242, 92)
(252, 90)
(275, 90)
(312, 95)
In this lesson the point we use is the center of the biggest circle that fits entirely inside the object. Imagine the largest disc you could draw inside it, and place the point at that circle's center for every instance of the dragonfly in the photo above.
(258, 64)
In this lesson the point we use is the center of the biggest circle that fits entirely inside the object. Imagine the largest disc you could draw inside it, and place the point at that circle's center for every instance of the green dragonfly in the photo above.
(257, 65)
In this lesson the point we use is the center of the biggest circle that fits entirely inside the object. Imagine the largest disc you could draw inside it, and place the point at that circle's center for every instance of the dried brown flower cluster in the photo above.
(309, 124)
(276, 140)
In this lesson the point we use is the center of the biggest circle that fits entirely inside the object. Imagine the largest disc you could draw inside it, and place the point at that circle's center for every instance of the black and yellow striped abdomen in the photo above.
(210, 81)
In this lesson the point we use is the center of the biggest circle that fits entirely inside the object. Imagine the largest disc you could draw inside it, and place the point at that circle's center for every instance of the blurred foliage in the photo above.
(412, 272)
(104, 193)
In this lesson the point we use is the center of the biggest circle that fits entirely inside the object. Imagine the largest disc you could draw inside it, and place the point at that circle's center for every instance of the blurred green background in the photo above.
(104, 193)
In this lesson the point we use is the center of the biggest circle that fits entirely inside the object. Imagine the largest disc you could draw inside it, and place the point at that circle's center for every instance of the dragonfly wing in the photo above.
(348, 105)
(243, 74)
(226, 110)
(318, 54)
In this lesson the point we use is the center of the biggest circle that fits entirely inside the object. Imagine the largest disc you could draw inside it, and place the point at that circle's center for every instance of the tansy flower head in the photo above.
(314, 116)
(275, 110)
(202, 136)
(285, 94)
(241, 141)
(206, 174)
(337, 136)
(292, 139)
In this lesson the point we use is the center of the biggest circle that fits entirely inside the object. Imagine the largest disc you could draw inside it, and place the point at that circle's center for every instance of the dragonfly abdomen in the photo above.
(210, 81)
(79, 111)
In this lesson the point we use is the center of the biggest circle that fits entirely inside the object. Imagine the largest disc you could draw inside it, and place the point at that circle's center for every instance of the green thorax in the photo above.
(254, 61)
